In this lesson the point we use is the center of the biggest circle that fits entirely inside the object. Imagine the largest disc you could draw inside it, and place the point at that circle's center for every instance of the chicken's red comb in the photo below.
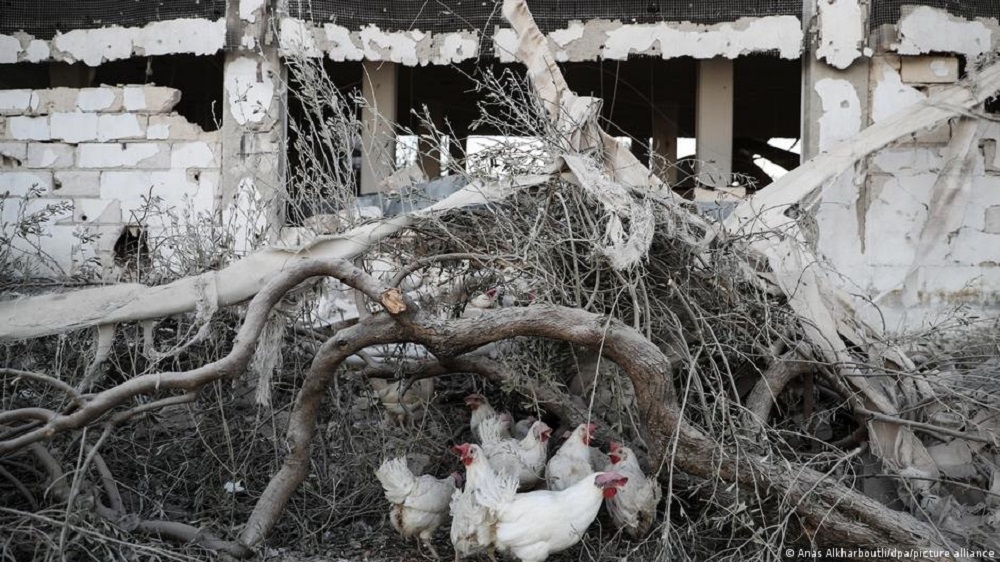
(461, 450)
(614, 446)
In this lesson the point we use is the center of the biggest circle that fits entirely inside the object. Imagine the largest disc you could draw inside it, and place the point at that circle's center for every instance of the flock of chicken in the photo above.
(495, 511)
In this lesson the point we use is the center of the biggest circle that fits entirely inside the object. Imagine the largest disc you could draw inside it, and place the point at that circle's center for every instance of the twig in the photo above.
(28, 496)
(72, 392)
(924, 426)
(425, 261)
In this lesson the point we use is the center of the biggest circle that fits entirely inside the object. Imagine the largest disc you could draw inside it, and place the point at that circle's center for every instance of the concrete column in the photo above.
(664, 155)
(429, 149)
(251, 193)
(714, 122)
(378, 118)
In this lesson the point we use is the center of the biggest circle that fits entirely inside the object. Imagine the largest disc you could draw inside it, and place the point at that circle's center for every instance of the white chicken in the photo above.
(572, 461)
(533, 525)
(481, 410)
(419, 504)
(523, 458)
(403, 404)
(472, 524)
(634, 507)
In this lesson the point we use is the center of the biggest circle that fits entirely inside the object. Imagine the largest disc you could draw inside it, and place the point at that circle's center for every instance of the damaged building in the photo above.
(107, 106)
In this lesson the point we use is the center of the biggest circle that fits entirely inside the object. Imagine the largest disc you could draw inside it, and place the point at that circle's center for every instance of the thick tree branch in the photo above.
(230, 366)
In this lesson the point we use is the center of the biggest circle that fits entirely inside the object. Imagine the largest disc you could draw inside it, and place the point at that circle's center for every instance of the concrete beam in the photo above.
(714, 122)
(378, 118)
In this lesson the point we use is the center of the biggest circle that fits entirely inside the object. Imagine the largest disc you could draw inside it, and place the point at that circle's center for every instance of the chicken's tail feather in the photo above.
(396, 479)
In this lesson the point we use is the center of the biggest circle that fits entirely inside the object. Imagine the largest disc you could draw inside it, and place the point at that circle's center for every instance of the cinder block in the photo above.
(23, 127)
(54, 100)
(150, 99)
(174, 127)
(97, 211)
(74, 127)
(193, 155)
(929, 70)
(15, 102)
(144, 155)
(99, 99)
(13, 154)
(20, 184)
(992, 220)
(119, 126)
(75, 183)
(50, 155)
(938, 134)
(208, 183)
(126, 186)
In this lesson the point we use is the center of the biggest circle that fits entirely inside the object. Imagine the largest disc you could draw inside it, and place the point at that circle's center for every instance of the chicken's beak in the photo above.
(473, 401)
(545, 435)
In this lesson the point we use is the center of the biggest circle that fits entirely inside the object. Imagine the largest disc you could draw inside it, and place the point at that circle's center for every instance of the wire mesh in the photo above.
(43, 18)
(888, 11)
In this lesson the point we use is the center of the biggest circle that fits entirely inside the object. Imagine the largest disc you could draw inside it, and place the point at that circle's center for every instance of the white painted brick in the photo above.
(193, 155)
(160, 99)
(97, 211)
(13, 154)
(21, 183)
(23, 127)
(99, 99)
(74, 127)
(173, 126)
(929, 70)
(50, 155)
(116, 155)
(54, 100)
(14, 102)
(125, 186)
(118, 126)
(9, 49)
(151, 99)
(133, 98)
(75, 183)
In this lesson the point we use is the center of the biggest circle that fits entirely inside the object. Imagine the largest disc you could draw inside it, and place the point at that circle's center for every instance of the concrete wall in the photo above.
(99, 152)
(872, 219)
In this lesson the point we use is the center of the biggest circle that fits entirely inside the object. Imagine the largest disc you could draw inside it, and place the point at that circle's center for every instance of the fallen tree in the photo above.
(589, 234)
